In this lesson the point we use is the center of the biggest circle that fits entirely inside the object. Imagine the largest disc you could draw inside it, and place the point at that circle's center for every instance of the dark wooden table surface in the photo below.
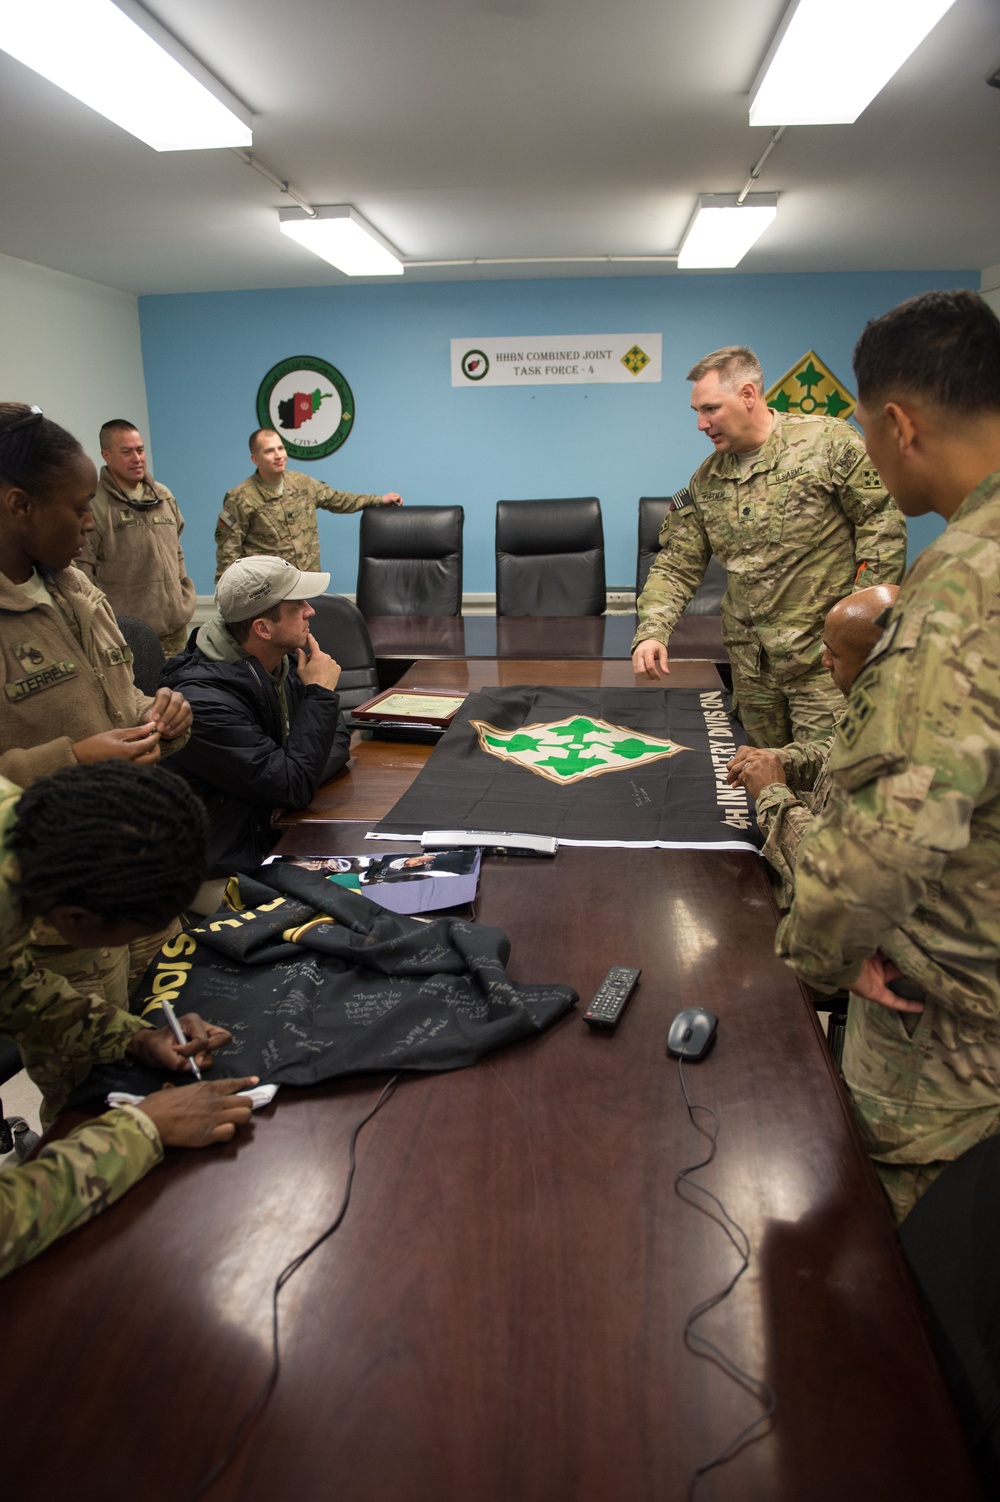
(499, 1319)
(414, 636)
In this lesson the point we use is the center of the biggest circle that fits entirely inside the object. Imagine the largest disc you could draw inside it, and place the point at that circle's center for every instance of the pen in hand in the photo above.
(178, 1033)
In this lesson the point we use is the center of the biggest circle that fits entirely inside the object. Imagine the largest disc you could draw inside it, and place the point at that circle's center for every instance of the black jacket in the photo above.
(235, 760)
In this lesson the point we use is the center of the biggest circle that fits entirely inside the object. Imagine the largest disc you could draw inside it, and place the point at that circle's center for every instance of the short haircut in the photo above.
(736, 365)
(116, 425)
(33, 449)
(240, 630)
(257, 433)
(124, 842)
(943, 347)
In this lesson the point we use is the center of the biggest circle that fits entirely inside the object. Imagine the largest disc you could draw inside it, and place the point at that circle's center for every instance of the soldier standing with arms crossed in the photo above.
(795, 511)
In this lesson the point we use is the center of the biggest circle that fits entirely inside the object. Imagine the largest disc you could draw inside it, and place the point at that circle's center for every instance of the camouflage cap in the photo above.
(252, 585)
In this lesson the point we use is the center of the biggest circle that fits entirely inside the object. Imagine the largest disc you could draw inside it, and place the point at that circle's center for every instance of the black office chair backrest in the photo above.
(550, 557)
(410, 561)
(147, 654)
(950, 1239)
(708, 597)
(340, 629)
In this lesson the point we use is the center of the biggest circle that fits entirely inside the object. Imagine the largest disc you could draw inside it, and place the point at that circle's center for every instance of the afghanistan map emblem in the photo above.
(309, 403)
(568, 750)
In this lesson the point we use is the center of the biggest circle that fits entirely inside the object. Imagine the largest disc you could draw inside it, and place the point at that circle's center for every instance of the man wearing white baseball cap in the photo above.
(267, 724)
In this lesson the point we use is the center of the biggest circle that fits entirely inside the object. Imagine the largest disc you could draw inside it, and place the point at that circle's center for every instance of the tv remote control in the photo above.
(611, 996)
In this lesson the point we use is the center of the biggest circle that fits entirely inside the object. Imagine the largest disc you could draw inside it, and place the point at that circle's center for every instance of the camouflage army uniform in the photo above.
(72, 1180)
(60, 1031)
(134, 555)
(258, 518)
(66, 674)
(785, 810)
(793, 536)
(907, 857)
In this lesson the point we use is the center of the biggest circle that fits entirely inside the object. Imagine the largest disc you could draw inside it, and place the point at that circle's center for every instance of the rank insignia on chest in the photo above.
(117, 656)
(28, 655)
(745, 509)
(856, 716)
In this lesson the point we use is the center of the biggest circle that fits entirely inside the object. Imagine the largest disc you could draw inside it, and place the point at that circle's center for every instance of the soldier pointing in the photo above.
(795, 511)
(274, 511)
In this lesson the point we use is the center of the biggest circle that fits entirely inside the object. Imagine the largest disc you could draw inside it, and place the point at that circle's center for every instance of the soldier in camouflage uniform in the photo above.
(795, 511)
(129, 842)
(274, 511)
(791, 785)
(897, 885)
(134, 553)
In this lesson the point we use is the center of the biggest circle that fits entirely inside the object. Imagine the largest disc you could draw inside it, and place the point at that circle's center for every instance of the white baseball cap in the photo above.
(252, 585)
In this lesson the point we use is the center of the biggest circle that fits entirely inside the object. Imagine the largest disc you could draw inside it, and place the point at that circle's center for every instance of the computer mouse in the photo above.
(691, 1033)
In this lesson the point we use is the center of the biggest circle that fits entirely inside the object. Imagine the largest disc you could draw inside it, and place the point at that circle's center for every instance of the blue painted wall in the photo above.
(205, 355)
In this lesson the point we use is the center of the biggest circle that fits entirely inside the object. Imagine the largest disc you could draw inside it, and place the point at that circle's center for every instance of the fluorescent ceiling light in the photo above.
(722, 230)
(338, 234)
(826, 64)
(124, 65)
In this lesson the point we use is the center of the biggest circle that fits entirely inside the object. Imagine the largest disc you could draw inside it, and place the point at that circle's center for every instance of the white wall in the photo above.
(72, 347)
(990, 288)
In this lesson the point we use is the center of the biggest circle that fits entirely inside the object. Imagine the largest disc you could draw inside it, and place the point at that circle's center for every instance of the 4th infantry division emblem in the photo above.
(565, 751)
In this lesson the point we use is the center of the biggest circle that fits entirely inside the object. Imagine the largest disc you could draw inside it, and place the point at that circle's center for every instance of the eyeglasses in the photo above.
(35, 415)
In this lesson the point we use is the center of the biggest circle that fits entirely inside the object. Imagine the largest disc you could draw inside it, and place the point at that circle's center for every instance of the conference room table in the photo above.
(500, 1317)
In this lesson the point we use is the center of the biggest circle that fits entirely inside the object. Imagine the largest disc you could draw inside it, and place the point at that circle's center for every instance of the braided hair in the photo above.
(33, 449)
(124, 842)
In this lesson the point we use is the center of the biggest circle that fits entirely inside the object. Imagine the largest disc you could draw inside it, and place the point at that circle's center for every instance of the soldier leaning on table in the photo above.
(795, 511)
(898, 883)
(790, 785)
(274, 511)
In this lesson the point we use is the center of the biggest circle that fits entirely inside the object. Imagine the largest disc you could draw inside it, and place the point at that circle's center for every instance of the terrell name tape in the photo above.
(557, 360)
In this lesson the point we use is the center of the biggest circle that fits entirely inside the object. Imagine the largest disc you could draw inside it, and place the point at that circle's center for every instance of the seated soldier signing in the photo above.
(104, 852)
(267, 723)
(791, 785)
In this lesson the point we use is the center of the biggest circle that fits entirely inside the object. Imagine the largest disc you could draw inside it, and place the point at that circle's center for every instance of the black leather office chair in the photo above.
(147, 654)
(950, 1238)
(550, 557)
(340, 629)
(708, 596)
(410, 561)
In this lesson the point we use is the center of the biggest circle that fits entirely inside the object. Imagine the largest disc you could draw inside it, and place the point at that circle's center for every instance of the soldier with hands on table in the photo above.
(791, 784)
(274, 511)
(897, 884)
(103, 852)
(795, 511)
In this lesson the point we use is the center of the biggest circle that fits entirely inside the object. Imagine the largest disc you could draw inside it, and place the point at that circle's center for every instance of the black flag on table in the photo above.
(592, 766)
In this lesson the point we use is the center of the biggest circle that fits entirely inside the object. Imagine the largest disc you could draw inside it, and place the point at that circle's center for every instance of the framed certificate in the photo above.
(409, 708)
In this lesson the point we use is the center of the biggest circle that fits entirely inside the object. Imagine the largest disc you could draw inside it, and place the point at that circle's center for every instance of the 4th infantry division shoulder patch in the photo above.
(567, 750)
